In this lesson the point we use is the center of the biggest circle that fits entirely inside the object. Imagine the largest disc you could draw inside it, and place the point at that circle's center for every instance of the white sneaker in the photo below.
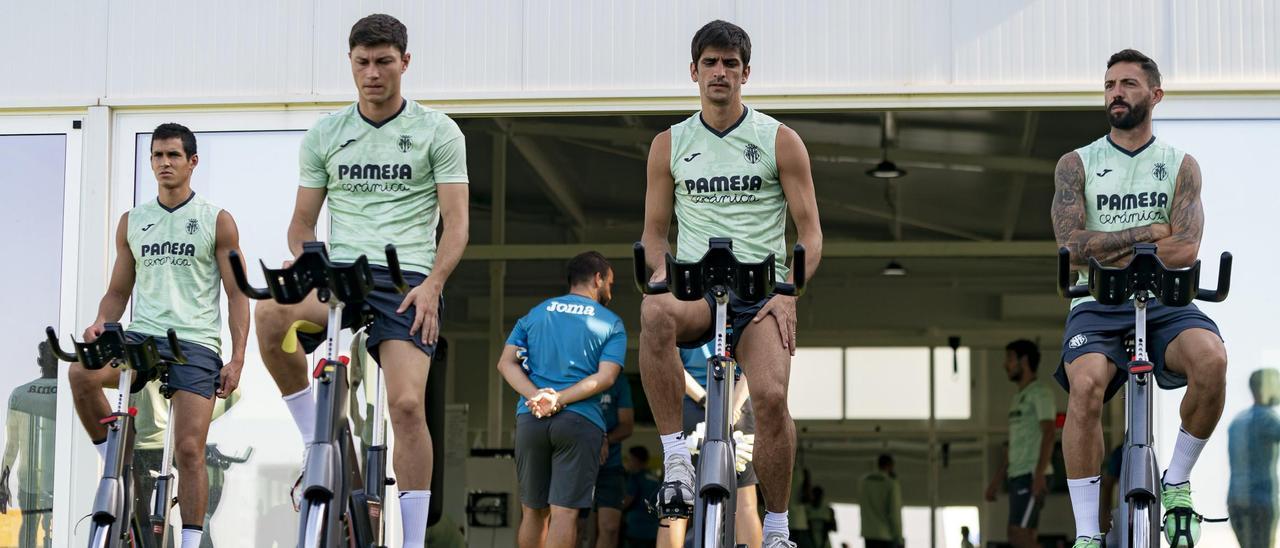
(778, 539)
(675, 497)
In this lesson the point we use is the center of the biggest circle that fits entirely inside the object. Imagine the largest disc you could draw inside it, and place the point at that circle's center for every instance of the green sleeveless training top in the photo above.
(381, 180)
(1124, 189)
(727, 186)
(176, 281)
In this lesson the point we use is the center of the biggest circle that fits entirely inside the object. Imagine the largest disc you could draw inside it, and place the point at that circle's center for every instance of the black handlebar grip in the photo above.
(175, 348)
(1224, 282)
(397, 276)
(242, 280)
(52, 336)
(1065, 287)
(642, 273)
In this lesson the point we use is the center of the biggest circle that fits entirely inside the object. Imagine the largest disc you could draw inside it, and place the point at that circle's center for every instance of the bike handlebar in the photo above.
(1144, 272)
(111, 346)
(313, 270)
(689, 281)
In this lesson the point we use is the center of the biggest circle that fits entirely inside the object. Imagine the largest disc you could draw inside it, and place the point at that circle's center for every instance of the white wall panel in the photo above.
(153, 51)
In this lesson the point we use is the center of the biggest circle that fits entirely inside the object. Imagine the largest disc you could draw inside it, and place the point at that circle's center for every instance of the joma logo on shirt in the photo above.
(585, 310)
(375, 171)
(1118, 202)
(722, 183)
(169, 248)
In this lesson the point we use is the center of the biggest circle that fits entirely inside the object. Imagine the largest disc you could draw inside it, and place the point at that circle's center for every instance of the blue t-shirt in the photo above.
(695, 361)
(567, 338)
(1252, 442)
(616, 397)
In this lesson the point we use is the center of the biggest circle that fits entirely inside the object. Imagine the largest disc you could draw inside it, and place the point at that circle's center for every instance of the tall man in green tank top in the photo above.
(1126, 188)
(727, 171)
(390, 170)
(171, 255)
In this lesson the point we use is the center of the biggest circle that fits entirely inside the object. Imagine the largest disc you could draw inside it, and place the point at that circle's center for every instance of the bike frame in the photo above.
(339, 503)
(1137, 520)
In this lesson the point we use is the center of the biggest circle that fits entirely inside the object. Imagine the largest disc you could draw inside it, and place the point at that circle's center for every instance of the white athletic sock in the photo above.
(1084, 504)
(777, 523)
(303, 408)
(102, 450)
(674, 444)
(1185, 452)
(191, 536)
(414, 506)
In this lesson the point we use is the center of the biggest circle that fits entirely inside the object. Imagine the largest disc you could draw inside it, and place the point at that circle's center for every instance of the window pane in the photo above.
(32, 175)
(887, 383)
(952, 518)
(951, 379)
(814, 391)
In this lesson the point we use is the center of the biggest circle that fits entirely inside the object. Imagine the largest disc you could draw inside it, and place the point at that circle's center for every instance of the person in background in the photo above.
(880, 499)
(640, 526)
(1252, 443)
(822, 519)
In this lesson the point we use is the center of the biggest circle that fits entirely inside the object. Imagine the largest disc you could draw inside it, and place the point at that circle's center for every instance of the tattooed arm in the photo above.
(1069, 216)
(1186, 218)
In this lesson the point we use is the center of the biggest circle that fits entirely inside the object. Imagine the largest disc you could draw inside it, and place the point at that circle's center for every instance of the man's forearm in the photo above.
(111, 308)
(452, 244)
(517, 380)
(594, 384)
(239, 321)
(1046, 452)
(692, 389)
(299, 233)
(1106, 247)
(740, 394)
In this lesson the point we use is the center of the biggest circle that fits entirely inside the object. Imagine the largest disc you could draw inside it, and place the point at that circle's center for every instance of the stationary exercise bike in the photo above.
(718, 273)
(120, 517)
(339, 507)
(1138, 518)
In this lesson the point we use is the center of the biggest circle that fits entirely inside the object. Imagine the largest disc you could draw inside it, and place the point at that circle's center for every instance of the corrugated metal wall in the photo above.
(72, 51)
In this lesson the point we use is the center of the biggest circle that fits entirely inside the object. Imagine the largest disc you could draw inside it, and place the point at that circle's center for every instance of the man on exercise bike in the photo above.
(727, 171)
(390, 170)
(1123, 189)
(171, 253)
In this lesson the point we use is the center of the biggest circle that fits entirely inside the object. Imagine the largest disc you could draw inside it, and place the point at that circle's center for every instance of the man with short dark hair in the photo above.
(727, 171)
(1026, 464)
(560, 357)
(1253, 441)
(1124, 189)
(391, 171)
(171, 256)
(880, 504)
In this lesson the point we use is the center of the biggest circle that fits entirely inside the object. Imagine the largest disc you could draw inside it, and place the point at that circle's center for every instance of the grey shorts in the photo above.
(694, 414)
(201, 373)
(557, 459)
(611, 487)
(1102, 329)
(386, 324)
(1024, 509)
(741, 312)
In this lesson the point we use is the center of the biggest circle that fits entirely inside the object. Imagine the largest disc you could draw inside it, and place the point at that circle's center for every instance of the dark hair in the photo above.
(584, 267)
(722, 34)
(817, 494)
(640, 452)
(885, 460)
(47, 359)
(176, 131)
(1023, 348)
(379, 29)
(1134, 56)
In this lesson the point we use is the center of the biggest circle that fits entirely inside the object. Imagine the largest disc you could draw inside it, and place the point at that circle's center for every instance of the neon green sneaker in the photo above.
(1181, 522)
(1087, 542)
